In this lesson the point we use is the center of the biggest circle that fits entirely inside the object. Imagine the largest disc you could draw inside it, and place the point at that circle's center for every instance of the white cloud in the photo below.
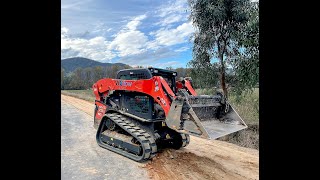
(132, 25)
(95, 48)
(73, 4)
(129, 43)
(182, 49)
(89, 31)
(152, 45)
(173, 64)
(174, 36)
(173, 7)
(172, 12)
(129, 40)
(64, 30)
(171, 19)
(67, 53)
(174, 26)
(147, 58)
(101, 29)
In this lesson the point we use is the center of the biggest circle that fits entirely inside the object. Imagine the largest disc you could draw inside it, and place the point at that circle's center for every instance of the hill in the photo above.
(70, 64)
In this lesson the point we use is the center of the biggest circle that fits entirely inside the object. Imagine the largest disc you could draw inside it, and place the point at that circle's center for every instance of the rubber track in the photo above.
(147, 142)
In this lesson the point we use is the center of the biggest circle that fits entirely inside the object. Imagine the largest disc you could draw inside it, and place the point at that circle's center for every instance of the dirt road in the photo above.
(201, 159)
(81, 157)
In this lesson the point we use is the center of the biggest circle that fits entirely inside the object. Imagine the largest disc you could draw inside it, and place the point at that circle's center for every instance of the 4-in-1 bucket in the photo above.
(208, 117)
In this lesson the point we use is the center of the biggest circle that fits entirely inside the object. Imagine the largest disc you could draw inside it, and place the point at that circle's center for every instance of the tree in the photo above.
(169, 68)
(62, 78)
(181, 72)
(127, 67)
(204, 76)
(76, 81)
(114, 70)
(98, 73)
(218, 23)
(66, 81)
(88, 77)
(246, 67)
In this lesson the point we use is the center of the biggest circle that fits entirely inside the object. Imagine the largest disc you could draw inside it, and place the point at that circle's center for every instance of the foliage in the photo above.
(204, 76)
(84, 78)
(246, 67)
(247, 107)
(223, 30)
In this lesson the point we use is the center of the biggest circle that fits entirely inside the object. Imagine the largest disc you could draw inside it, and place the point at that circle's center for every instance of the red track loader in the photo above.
(144, 110)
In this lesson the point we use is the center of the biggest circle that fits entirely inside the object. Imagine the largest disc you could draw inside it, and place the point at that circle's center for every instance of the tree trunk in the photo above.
(223, 75)
(223, 82)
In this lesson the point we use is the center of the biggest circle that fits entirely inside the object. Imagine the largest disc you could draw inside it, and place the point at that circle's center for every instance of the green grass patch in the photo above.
(81, 94)
(247, 107)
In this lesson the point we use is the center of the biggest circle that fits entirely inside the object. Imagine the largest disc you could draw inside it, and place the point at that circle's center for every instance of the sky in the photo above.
(135, 32)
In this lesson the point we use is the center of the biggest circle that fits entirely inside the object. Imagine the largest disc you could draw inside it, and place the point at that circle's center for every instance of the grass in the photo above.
(246, 138)
(248, 109)
(81, 94)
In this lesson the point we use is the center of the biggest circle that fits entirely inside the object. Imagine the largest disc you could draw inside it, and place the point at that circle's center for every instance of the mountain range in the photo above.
(71, 64)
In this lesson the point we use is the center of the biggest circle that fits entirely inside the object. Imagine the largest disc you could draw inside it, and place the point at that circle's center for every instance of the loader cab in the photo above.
(134, 74)
(169, 76)
(147, 73)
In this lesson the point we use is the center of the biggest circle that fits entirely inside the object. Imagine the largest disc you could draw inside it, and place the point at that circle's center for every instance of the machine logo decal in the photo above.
(123, 83)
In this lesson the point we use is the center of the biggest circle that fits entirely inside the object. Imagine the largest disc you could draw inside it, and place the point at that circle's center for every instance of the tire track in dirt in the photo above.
(201, 159)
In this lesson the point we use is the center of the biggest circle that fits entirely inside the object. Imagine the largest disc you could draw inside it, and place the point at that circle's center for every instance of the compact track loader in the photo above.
(144, 110)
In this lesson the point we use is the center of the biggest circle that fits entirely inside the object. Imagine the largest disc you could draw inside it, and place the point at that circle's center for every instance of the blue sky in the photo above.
(135, 32)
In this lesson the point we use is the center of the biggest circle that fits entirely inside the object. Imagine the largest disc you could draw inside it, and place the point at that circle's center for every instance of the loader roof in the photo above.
(162, 72)
(144, 73)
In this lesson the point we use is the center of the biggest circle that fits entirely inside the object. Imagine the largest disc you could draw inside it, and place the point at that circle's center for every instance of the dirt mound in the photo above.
(205, 159)
(186, 165)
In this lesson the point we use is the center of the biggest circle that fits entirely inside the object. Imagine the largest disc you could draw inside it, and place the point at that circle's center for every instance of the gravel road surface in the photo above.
(82, 158)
